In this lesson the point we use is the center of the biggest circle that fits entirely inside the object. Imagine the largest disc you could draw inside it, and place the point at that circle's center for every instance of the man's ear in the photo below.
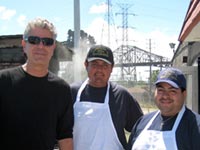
(86, 65)
(23, 43)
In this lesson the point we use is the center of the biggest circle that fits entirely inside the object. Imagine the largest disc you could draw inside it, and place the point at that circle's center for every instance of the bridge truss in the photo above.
(127, 58)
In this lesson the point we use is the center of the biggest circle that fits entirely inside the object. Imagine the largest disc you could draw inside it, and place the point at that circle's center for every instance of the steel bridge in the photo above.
(127, 58)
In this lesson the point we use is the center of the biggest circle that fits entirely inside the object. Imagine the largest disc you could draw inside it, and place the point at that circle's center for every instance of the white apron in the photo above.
(158, 140)
(93, 126)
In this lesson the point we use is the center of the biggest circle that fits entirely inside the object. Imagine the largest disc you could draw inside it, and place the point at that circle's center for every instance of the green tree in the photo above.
(85, 39)
(154, 75)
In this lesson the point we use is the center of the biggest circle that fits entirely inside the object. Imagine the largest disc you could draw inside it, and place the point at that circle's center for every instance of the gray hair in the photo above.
(41, 23)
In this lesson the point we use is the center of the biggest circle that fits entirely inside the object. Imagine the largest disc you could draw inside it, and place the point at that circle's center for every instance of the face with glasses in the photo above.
(98, 72)
(39, 46)
(169, 99)
(35, 40)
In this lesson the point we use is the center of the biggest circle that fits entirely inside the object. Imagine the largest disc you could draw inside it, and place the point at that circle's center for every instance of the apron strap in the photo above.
(106, 101)
(178, 119)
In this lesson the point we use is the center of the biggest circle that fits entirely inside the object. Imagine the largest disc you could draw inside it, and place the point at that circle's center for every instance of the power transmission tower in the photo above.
(125, 26)
(110, 25)
(124, 51)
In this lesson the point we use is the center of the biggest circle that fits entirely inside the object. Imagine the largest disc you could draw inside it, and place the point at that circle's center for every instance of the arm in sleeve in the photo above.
(134, 112)
(66, 116)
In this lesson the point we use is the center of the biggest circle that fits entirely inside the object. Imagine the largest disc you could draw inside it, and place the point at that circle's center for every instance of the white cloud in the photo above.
(2, 8)
(159, 39)
(102, 8)
(22, 20)
(99, 30)
(6, 14)
(161, 42)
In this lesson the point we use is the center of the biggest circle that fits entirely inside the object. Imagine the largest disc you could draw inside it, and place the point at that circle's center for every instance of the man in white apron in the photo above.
(174, 126)
(102, 110)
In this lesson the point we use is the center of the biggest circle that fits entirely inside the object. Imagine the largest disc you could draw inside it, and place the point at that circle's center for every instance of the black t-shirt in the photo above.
(187, 133)
(124, 109)
(34, 112)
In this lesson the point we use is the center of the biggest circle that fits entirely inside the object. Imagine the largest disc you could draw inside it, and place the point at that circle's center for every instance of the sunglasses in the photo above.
(36, 40)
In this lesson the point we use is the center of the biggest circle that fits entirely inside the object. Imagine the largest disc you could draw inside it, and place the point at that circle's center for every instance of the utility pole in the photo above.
(108, 19)
(150, 72)
(77, 52)
(76, 25)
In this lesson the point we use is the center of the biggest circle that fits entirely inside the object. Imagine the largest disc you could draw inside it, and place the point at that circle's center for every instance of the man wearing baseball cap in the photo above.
(174, 126)
(102, 109)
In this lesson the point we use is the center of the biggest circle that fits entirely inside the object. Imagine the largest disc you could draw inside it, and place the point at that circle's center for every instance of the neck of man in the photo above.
(37, 71)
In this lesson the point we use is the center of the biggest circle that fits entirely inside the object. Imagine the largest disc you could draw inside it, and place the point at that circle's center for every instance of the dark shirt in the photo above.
(34, 112)
(124, 109)
(187, 133)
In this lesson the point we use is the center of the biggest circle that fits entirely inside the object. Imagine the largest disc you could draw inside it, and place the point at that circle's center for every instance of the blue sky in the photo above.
(160, 20)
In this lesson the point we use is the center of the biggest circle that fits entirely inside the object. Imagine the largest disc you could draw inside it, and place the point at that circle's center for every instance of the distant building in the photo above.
(11, 53)
(187, 55)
